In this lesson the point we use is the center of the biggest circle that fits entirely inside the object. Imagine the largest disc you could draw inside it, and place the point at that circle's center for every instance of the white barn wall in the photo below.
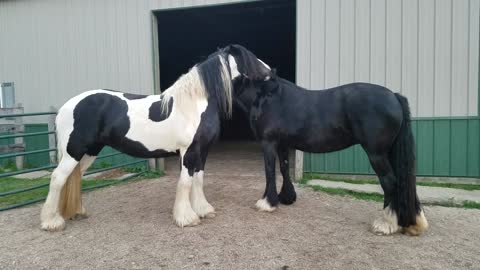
(427, 50)
(55, 49)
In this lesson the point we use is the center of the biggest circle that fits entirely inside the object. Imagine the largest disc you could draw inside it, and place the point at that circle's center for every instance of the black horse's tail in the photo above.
(405, 201)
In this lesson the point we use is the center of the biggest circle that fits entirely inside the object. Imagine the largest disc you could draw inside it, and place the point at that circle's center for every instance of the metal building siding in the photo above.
(427, 50)
(54, 49)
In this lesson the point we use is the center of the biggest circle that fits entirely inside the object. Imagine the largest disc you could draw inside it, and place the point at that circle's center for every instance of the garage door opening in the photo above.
(187, 36)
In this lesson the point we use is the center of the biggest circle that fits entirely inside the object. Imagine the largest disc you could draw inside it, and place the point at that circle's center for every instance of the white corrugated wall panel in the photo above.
(443, 64)
(303, 48)
(393, 64)
(410, 52)
(426, 56)
(315, 59)
(426, 49)
(55, 49)
(377, 42)
(347, 49)
(474, 24)
(362, 40)
(460, 52)
(332, 52)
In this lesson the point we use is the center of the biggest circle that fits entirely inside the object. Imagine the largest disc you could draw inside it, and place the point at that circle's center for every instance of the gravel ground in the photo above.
(131, 227)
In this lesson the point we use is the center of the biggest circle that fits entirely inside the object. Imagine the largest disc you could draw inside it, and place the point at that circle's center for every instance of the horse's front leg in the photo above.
(287, 193)
(199, 203)
(270, 197)
(182, 210)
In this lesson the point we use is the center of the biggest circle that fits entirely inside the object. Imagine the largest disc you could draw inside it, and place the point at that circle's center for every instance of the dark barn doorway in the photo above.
(187, 36)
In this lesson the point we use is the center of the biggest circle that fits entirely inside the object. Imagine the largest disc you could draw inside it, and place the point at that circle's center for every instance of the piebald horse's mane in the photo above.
(206, 79)
(214, 78)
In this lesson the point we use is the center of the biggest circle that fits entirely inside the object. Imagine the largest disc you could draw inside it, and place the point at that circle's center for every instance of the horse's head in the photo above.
(246, 70)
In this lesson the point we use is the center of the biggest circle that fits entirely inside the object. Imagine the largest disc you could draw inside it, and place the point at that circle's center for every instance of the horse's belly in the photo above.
(324, 142)
(167, 135)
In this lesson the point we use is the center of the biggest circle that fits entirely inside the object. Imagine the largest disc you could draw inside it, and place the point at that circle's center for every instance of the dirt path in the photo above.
(131, 227)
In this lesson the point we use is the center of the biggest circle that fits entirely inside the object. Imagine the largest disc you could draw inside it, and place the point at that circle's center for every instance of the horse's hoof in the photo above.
(192, 223)
(57, 223)
(206, 211)
(420, 227)
(187, 220)
(210, 215)
(264, 206)
(287, 199)
(387, 224)
(381, 227)
(80, 215)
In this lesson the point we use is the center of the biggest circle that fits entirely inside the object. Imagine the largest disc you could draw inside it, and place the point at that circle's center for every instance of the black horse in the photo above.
(283, 115)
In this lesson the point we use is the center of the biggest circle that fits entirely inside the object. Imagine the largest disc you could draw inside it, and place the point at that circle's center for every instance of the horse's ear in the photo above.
(273, 72)
(231, 49)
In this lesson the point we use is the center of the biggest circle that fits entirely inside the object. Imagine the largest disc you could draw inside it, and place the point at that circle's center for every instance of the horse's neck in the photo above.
(286, 84)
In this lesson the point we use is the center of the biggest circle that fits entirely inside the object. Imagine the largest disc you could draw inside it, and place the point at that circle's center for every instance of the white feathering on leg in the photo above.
(386, 224)
(200, 204)
(182, 210)
(264, 206)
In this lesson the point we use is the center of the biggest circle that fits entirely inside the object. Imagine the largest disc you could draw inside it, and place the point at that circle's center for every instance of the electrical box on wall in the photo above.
(7, 95)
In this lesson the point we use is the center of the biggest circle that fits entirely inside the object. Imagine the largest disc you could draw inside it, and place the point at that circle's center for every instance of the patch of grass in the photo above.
(338, 179)
(309, 176)
(11, 183)
(471, 205)
(100, 165)
(152, 174)
(377, 197)
(145, 172)
(8, 166)
(304, 180)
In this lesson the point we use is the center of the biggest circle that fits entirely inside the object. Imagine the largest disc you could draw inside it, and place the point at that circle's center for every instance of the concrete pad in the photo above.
(426, 194)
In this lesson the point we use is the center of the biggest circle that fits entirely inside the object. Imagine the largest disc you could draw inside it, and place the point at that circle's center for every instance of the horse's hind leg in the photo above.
(287, 194)
(200, 204)
(388, 222)
(270, 197)
(51, 217)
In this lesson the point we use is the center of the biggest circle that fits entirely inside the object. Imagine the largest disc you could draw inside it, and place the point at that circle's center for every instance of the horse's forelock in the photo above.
(248, 63)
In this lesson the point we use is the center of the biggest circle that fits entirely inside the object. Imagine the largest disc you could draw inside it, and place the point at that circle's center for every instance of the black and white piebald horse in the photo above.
(184, 118)
(283, 115)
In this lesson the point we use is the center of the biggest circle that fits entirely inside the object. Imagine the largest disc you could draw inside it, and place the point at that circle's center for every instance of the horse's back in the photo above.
(336, 118)
(374, 113)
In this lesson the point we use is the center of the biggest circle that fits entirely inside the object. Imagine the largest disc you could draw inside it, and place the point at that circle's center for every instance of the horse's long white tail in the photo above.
(71, 197)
